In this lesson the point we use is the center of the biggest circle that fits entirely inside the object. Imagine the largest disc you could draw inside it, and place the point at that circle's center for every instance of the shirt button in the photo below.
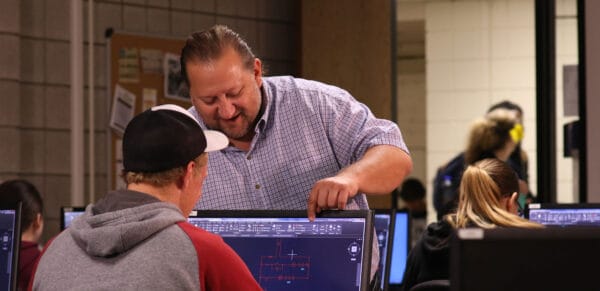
(257, 186)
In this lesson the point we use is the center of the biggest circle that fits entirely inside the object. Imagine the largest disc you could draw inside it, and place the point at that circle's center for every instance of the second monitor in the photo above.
(400, 246)
(564, 215)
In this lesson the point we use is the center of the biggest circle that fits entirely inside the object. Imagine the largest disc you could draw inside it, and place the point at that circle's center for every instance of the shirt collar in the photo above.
(267, 103)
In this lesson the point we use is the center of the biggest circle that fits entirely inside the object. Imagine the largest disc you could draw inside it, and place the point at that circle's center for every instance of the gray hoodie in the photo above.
(128, 241)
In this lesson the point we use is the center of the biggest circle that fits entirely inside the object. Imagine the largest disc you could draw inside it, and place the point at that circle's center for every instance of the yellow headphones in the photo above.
(516, 133)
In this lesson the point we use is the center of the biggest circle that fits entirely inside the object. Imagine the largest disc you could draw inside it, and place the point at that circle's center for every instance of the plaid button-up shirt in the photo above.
(309, 131)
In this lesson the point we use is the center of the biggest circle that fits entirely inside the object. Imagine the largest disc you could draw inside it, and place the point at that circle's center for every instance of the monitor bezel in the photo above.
(366, 214)
(390, 243)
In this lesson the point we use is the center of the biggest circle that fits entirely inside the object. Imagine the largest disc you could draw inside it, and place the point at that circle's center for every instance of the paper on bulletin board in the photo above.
(123, 108)
(175, 86)
(151, 60)
(128, 65)
(148, 98)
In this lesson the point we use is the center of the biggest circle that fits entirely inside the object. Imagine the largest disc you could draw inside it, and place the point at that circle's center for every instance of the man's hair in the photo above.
(482, 188)
(13, 191)
(161, 179)
(489, 134)
(208, 45)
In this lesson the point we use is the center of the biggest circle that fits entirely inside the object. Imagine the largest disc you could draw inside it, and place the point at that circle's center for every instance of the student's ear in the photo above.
(512, 203)
(188, 175)
(38, 221)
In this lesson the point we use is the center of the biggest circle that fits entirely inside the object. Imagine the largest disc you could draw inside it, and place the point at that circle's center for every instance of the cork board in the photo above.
(143, 72)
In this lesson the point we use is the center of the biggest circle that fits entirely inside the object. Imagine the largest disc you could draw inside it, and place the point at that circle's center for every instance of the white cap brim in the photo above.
(215, 140)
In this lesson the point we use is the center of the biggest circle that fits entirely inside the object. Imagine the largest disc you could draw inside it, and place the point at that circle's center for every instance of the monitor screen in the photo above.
(524, 259)
(584, 214)
(67, 214)
(10, 232)
(400, 247)
(383, 229)
(285, 251)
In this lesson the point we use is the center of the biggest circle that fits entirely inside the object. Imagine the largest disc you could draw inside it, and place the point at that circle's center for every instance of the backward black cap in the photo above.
(160, 140)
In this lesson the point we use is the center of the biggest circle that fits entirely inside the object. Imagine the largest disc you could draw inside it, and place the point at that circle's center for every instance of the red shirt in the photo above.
(27, 257)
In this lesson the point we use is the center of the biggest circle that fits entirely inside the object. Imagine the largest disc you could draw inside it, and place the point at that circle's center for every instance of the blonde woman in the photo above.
(495, 136)
(488, 199)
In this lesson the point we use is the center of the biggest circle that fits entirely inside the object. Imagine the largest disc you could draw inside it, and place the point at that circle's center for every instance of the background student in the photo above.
(412, 194)
(32, 224)
(495, 136)
(489, 191)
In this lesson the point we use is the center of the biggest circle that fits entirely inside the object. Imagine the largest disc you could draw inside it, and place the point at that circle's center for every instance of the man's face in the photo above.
(226, 94)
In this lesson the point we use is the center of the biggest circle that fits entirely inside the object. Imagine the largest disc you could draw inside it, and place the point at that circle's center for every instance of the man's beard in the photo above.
(238, 133)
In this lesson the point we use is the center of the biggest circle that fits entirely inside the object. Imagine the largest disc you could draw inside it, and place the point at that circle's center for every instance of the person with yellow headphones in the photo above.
(498, 136)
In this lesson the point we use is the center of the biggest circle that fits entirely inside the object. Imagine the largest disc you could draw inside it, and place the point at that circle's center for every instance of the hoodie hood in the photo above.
(110, 233)
(436, 239)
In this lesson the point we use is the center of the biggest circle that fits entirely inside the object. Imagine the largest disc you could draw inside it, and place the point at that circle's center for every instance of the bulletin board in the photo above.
(144, 71)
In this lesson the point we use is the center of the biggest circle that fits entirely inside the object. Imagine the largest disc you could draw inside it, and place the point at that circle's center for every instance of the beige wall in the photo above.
(482, 52)
(347, 44)
(478, 53)
(410, 82)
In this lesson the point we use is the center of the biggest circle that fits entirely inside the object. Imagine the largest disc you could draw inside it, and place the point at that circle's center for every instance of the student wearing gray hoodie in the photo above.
(139, 238)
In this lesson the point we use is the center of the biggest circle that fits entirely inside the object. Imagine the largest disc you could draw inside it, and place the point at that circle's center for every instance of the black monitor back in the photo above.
(525, 259)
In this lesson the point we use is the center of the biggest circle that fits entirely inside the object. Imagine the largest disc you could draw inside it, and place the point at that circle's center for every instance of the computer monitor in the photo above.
(68, 213)
(10, 232)
(564, 215)
(285, 251)
(525, 259)
(384, 222)
(400, 247)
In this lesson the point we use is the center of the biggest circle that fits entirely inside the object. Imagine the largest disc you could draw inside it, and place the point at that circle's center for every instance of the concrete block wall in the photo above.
(34, 75)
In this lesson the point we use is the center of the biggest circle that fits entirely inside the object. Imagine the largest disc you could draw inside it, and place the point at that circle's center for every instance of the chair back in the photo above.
(432, 285)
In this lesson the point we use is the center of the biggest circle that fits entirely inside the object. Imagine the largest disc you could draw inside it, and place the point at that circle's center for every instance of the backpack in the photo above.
(446, 184)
